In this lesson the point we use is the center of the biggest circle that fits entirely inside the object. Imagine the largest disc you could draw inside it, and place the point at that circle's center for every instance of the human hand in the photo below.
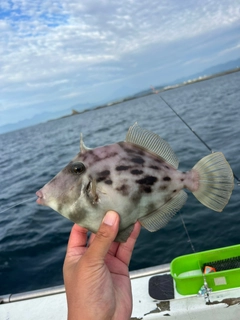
(96, 277)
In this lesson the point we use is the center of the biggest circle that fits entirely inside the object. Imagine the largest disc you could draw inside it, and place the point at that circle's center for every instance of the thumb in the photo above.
(105, 236)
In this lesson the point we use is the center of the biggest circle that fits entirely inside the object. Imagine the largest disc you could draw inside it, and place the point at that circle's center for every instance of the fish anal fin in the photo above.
(153, 143)
(160, 217)
(123, 235)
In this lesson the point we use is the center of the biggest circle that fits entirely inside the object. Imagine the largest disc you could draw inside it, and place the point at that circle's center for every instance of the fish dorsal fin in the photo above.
(153, 143)
(83, 148)
(160, 217)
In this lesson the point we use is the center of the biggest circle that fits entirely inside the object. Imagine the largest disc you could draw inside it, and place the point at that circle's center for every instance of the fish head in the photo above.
(72, 192)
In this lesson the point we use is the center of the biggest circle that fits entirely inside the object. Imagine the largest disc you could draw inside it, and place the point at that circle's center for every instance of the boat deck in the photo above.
(51, 303)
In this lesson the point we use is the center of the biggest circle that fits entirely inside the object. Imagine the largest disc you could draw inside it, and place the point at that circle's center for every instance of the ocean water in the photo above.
(33, 238)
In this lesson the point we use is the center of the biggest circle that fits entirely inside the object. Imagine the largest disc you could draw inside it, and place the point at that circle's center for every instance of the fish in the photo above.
(139, 179)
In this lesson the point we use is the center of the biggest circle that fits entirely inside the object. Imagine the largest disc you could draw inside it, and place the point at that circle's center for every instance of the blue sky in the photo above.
(55, 54)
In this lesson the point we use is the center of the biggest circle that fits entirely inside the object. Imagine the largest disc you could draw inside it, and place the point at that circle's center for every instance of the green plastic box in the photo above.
(187, 271)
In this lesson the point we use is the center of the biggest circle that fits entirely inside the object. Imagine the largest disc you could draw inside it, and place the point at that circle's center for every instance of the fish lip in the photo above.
(40, 199)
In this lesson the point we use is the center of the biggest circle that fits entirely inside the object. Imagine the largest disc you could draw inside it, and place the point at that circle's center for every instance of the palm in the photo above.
(100, 280)
(118, 278)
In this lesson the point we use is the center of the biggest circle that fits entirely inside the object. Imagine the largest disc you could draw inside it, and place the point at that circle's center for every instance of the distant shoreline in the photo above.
(150, 92)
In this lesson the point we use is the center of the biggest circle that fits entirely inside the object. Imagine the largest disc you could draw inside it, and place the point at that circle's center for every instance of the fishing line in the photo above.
(204, 290)
(17, 204)
(194, 132)
(186, 230)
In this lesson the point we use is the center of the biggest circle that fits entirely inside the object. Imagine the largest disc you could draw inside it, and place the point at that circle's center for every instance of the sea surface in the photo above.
(33, 238)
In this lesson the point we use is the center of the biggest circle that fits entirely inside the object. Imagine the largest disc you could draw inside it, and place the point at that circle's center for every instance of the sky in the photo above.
(55, 54)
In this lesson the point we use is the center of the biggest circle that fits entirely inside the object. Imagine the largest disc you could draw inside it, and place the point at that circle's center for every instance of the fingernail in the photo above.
(110, 218)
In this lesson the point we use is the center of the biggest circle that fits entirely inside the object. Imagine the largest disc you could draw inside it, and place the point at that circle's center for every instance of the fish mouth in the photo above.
(40, 199)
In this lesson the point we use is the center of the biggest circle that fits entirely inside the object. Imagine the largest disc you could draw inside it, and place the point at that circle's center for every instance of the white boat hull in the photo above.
(51, 303)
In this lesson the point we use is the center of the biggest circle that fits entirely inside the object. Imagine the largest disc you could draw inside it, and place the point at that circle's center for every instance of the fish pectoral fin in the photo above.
(92, 191)
(123, 235)
(153, 143)
(160, 217)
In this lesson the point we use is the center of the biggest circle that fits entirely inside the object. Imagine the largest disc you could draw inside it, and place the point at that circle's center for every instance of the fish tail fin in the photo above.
(215, 181)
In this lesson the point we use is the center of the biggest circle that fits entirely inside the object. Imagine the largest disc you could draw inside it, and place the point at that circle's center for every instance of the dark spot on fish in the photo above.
(147, 189)
(162, 188)
(107, 155)
(122, 168)
(138, 160)
(136, 172)
(86, 154)
(158, 160)
(174, 191)
(124, 189)
(103, 153)
(112, 154)
(108, 181)
(151, 207)
(100, 179)
(125, 147)
(144, 189)
(91, 157)
(96, 158)
(149, 180)
(182, 179)
(166, 167)
(166, 179)
(155, 167)
(128, 149)
(136, 196)
(140, 152)
(104, 173)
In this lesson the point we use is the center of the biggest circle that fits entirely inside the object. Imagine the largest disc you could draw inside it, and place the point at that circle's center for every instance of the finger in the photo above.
(91, 238)
(113, 248)
(125, 250)
(104, 237)
(78, 237)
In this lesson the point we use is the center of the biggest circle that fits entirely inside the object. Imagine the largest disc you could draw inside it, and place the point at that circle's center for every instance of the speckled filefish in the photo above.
(139, 179)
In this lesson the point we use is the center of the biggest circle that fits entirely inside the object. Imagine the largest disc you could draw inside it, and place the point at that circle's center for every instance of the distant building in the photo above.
(74, 112)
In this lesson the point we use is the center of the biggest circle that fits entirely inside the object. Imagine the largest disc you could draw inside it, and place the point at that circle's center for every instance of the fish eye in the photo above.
(78, 168)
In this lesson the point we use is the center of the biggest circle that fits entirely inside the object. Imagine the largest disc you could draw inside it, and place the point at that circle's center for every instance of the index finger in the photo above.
(125, 249)
(77, 238)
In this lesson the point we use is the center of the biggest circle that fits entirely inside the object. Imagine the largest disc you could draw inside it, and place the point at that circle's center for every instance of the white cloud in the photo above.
(65, 45)
(226, 51)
